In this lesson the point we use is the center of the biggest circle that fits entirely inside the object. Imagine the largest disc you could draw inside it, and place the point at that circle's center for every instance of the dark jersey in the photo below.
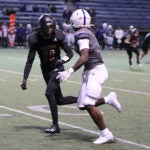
(47, 49)
(95, 57)
(146, 42)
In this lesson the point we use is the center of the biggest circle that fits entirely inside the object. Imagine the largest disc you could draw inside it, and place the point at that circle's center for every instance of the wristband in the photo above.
(71, 70)
(65, 58)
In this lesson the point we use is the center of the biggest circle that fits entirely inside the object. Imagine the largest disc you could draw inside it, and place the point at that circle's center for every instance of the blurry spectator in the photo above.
(1, 12)
(29, 7)
(4, 28)
(100, 36)
(20, 35)
(0, 36)
(67, 28)
(28, 32)
(67, 13)
(53, 8)
(93, 15)
(118, 38)
(23, 8)
(35, 8)
(4, 11)
(11, 11)
(109, 38)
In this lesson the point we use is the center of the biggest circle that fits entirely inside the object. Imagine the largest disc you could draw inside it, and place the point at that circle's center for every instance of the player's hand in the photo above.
(24, 85)
(64, 75)
(59, 62)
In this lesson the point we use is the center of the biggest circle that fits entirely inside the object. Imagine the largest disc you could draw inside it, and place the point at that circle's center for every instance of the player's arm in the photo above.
(67, 49)
(28, 66)
(84, 55)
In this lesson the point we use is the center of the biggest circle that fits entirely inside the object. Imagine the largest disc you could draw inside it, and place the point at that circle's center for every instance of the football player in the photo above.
(145, 45)
(132, 41)
(94, 75)
(48, 43)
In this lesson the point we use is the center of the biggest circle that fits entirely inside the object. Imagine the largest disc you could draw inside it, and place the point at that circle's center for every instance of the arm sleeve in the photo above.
(68, 51)
(83, 44)
(28, 66)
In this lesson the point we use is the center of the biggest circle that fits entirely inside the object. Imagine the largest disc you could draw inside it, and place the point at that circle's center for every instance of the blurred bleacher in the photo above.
(115, 12)
(120, 12)
(28, 16)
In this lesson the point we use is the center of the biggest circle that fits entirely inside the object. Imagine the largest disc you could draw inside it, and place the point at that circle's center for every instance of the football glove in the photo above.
(24, 85)
(64, 75)
(61, 61)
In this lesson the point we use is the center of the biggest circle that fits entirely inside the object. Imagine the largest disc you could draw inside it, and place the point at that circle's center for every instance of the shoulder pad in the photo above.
(32, 38)
(82, 35)
(60, 35)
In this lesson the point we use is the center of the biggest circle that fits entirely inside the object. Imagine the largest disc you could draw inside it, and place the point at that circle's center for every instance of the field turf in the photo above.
(25, 114)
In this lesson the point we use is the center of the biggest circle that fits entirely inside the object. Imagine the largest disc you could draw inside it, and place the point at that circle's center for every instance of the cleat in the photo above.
(131, 67)
(112, 100)
(139, 65)
(53, 129)
(105, 139)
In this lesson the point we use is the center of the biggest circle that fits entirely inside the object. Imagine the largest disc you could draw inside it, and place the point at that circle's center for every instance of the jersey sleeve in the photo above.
(30, 57)
(60, 35)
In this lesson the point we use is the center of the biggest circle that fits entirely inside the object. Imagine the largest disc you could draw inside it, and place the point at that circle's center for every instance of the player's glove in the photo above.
(24, 85)
(64, 75)
(61, 61)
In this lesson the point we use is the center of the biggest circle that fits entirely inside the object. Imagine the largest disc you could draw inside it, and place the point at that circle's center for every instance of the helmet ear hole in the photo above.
(80, 18)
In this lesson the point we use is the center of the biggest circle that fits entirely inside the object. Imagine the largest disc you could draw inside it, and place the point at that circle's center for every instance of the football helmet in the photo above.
(45, 21)
(47, 26)
(80, 18)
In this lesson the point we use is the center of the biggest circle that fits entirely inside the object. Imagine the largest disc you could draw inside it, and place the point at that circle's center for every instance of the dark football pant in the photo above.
(54, 94)
(136, 51)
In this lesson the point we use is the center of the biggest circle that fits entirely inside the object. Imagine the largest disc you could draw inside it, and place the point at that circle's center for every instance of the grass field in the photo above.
(25, 114)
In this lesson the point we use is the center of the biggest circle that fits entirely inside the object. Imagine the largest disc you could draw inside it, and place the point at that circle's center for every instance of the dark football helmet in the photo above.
(47, 25)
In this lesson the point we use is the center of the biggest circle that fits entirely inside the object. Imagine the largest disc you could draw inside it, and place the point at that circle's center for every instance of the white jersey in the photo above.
(94, 47)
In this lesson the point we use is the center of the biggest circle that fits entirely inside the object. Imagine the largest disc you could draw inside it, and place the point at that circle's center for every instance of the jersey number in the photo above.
(52, 55)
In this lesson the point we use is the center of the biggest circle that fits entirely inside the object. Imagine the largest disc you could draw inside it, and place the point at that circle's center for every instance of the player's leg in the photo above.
(52, 86)
(110, 99)
(136, 51)
(106, 135)
(90, 91)
(129, 52)
(64, 100)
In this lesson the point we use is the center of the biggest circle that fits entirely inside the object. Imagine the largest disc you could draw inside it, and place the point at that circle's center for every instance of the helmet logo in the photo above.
(84, 20)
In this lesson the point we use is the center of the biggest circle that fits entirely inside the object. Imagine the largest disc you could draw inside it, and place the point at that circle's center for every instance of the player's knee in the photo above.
(49, 94)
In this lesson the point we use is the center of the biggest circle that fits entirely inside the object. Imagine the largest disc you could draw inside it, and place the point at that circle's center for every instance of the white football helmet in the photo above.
(80, 18)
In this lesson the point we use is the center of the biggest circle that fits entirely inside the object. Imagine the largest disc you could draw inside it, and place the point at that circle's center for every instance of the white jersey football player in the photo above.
(94, 75)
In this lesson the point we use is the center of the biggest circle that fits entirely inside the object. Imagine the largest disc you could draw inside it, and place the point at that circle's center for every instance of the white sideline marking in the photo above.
(5, 115)
(118, 80)
(41, 108)
(33, 80)
(2, 80)
(123, 90)
(75, 127)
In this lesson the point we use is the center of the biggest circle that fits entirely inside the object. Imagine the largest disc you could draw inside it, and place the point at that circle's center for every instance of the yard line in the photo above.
(73, 126)
(74, 82)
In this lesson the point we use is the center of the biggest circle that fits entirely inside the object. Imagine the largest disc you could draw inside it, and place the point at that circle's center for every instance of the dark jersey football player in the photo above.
(47, 41)
(145, 45)
(132, 41)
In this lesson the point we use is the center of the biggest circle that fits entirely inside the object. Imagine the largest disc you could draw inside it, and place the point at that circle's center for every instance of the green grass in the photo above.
(23, 128)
